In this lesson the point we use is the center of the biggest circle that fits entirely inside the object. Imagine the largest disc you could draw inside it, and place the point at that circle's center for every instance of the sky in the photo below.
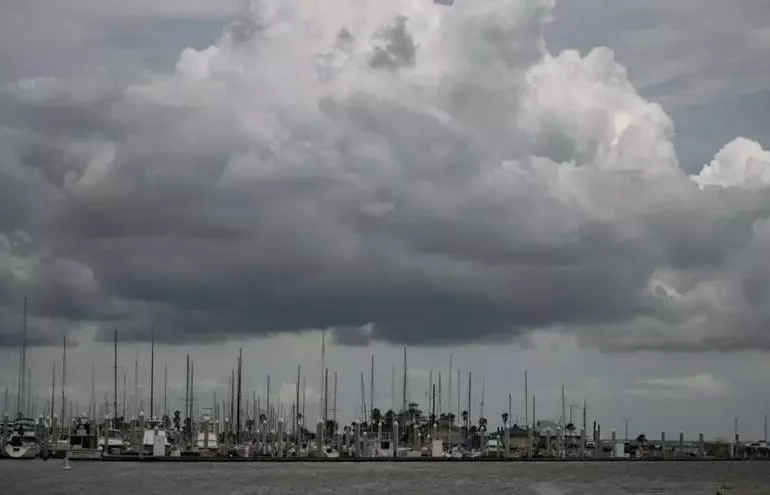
(578, 189)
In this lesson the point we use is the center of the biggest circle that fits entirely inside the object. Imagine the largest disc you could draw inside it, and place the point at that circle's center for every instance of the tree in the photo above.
(390, 416)
(464, 415)
(376, 416)
(483, 423)
(331, 427)
(641, 439)
(505, 419)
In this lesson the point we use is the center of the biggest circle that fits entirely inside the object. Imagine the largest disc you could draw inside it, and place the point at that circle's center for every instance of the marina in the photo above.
(240, 430)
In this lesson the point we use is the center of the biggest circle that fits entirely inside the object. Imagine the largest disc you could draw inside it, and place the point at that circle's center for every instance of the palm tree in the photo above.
(641, 439)
(505, 419)
(331, 427)
(390, 416)
(483, 423)
(376, 416)
(464, 415)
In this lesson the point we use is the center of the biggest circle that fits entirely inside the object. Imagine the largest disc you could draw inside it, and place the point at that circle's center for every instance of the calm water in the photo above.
(48, 478)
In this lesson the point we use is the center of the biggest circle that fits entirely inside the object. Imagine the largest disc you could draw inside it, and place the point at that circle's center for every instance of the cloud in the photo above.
(404, 172)
(696, 386)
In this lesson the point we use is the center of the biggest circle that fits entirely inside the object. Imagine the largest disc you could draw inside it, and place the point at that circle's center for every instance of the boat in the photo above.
(155, 428)
(330, 452)
(22, 442)
(115, 443)
(84, 442)
(207, 435)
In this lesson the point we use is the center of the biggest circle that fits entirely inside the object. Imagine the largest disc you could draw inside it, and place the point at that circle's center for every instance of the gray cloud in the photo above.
(481, 188)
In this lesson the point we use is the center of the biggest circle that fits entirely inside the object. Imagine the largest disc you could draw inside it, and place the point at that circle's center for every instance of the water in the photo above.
(686, 478)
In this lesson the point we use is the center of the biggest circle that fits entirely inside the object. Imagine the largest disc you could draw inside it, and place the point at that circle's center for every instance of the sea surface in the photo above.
(685, 478)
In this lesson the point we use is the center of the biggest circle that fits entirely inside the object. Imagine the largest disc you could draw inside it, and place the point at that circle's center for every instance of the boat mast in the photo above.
(238, 406)
(192, 395)
(187, 392)
(326, 397)
(449, 401)
(304, 398)
(136, 402)
(125, 389)
(53, 392)
(92, 405)
(232, 401)
(165, 390)
(405, 378)
(483, 393)
(470, 420)
(526, 399)
(371, 388)
(324, 375)
(393, 389)
(63, 380)
(459, 387)
(20, 404)
(334, 403)
(115, 378)
(296, 411)
(152, 372)
(28, 395)
(563, 422)
(363, 396)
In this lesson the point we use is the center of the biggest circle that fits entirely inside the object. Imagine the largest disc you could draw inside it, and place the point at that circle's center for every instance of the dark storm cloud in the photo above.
(225, 200)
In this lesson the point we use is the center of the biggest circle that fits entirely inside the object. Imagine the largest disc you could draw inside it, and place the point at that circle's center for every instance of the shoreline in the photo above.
(221, 459)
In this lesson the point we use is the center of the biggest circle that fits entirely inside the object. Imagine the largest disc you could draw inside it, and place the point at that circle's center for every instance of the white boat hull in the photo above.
(21, 452)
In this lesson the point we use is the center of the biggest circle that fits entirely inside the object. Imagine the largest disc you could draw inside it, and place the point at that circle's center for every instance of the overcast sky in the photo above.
(577, 188)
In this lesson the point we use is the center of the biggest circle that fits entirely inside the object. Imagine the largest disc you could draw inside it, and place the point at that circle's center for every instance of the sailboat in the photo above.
(22, 442)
